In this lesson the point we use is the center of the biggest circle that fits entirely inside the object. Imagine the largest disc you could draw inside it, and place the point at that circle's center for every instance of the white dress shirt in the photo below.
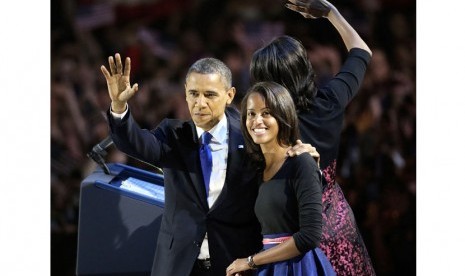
(219, 149)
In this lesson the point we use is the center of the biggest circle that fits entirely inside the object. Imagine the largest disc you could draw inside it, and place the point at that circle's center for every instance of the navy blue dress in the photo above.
(289, 204)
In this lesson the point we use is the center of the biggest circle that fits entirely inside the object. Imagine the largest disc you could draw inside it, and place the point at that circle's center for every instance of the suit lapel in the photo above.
(190, 151)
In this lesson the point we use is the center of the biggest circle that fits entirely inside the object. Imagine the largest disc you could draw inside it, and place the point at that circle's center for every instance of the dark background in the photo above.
(377, 161)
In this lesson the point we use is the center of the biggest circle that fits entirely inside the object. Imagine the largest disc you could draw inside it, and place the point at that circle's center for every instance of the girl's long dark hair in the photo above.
(281, 107)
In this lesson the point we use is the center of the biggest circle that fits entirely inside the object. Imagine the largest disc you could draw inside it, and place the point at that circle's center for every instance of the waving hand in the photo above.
(119, 86)
(310, 8)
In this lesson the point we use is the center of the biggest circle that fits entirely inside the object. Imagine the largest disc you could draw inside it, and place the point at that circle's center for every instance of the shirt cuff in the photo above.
(119, 116)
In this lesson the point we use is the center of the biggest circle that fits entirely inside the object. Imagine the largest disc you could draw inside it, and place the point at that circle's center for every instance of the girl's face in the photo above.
(261, 125)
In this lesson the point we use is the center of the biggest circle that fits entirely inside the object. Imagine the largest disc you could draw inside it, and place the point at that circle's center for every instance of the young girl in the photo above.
(288, 205)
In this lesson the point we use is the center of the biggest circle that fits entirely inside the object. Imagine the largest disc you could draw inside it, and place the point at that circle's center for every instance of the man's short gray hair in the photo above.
(212, 66)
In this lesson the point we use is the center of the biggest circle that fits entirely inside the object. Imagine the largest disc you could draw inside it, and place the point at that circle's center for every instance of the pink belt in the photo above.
(276, 240)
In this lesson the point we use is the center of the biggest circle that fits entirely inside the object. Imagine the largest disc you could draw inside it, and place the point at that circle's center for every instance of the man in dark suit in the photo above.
(204, 228)
(226, 211)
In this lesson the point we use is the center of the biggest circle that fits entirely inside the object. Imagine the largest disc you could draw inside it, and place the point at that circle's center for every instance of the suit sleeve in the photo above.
(146, 145)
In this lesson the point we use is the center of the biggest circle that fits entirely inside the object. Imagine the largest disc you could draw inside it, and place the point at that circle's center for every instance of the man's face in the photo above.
(207, 97)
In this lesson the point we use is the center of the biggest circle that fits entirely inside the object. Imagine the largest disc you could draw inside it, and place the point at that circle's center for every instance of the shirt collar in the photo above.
(219, 131)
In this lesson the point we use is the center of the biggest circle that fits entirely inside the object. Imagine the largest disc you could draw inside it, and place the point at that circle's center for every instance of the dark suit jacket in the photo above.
(233, 230)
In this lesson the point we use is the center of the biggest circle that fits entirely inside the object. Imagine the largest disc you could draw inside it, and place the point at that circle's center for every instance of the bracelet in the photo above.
(251, 263)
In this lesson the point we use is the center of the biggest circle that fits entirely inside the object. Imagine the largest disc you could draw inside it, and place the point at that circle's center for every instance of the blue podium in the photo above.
(119, 219)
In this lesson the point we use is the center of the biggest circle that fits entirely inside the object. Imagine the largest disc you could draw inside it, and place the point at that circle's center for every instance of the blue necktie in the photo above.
(206, 159)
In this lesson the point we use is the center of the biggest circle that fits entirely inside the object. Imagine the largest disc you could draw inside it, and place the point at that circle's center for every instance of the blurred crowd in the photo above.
(377, 161)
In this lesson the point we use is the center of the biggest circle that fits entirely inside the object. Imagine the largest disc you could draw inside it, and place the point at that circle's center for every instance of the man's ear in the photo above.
(185, 90)
(231, 93)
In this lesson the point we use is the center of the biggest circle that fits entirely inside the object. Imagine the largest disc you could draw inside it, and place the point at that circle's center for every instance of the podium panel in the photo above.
(119, 219)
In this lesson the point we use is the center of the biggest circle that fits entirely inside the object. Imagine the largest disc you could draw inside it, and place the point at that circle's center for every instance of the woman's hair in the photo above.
(284, 60)
(279, 102)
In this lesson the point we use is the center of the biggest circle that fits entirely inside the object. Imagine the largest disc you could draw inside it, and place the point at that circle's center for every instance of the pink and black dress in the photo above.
(321, 126)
